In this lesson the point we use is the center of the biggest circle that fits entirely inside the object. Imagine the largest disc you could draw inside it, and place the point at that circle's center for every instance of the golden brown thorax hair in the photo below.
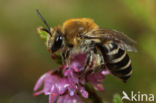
(72, 27)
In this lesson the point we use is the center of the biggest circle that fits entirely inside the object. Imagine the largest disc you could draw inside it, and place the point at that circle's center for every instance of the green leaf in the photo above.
(42, 33)
(117, 99)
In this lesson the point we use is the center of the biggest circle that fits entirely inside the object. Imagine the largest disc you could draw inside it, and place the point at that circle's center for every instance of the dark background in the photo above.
(23, 55)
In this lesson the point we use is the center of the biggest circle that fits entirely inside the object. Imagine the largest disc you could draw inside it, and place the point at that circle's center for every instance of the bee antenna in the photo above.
(44, 21)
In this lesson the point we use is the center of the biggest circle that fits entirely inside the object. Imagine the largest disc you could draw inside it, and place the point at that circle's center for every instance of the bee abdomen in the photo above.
(117, 61)
(120, 70)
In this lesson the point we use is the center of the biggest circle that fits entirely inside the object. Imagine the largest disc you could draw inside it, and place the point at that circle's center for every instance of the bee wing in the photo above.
(120, 38)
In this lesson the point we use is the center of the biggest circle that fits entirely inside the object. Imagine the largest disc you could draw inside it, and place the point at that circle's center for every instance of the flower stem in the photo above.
(92, 94)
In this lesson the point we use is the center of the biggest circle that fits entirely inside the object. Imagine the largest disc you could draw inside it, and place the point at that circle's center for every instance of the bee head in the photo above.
(55, 37)
(55, 42)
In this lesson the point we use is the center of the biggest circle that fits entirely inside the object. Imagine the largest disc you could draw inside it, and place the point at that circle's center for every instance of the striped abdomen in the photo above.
(117, 60)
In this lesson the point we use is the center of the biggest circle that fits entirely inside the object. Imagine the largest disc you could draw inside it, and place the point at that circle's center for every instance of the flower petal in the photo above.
(39, 82)
(71, 90)
(52, 98)
(96, 79)
(83, 92)
(49, 84)
(69, 99)
(62, 85)
(38, 93)
(105, 72)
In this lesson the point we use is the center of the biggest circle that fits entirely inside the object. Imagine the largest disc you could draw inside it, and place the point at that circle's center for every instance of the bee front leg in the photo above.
(66, 57)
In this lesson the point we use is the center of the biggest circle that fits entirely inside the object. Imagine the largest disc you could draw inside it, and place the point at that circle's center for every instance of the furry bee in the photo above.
(108, 48)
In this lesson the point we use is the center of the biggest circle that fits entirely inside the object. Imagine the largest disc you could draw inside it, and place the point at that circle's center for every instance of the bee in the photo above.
(108, 48)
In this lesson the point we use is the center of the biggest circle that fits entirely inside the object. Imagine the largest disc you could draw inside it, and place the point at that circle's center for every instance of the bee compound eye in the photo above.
(57, 43)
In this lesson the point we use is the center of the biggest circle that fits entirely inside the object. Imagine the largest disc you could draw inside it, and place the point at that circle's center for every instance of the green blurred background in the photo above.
(23, 55)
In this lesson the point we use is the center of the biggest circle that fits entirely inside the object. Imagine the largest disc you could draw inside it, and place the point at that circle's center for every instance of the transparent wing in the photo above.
(123, 40)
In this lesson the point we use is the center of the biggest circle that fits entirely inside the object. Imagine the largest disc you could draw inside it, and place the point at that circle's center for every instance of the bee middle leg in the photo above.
(87, 64)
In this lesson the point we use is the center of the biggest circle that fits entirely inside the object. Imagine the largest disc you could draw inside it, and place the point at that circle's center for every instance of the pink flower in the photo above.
(97, 78)
(69, 99)
(66, 83)
(54, 85)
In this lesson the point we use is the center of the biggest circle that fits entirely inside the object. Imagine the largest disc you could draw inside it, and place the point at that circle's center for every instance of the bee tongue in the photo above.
(53, 56)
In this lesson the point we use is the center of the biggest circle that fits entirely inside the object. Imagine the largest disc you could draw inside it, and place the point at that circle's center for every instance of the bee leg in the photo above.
(101, 64)
(99, 68)
(88, 61)
(63, 57)
(66, 56)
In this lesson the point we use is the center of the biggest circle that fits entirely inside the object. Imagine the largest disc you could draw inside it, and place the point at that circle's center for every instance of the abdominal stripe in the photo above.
(119, 64)
(117, 60)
